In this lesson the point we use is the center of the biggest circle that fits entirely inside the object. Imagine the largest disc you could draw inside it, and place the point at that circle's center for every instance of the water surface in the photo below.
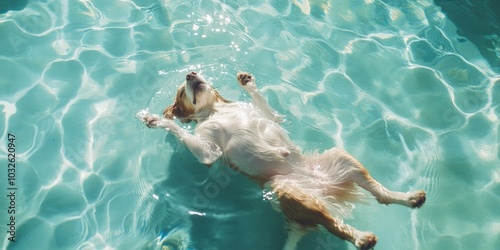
(393, 82)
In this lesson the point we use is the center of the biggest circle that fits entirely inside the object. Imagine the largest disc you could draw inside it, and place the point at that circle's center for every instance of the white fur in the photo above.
(249, 138)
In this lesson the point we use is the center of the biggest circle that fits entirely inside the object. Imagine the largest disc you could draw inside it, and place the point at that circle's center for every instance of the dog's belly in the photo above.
(250, 142)
(261, 148)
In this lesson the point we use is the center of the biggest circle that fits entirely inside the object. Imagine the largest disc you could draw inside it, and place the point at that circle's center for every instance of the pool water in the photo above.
(392, 82)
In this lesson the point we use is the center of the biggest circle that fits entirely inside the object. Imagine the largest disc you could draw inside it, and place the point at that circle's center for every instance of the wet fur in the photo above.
(312, 190)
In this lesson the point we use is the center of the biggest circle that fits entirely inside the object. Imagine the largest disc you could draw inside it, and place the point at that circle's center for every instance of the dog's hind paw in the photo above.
(365, 241)
(416, 199)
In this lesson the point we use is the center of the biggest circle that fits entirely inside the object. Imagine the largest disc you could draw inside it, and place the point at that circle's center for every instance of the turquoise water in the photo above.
(392, 82)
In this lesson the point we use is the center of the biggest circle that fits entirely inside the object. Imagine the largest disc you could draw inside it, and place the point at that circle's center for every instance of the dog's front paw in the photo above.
(246, 80)
(416, 199)
(152, 121)
(365, 240)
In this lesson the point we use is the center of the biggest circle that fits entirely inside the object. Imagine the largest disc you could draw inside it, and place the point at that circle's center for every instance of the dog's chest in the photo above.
(249, 141)
(246, 124)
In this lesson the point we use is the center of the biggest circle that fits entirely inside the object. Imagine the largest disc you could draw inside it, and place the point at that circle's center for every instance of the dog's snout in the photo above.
(190, 76)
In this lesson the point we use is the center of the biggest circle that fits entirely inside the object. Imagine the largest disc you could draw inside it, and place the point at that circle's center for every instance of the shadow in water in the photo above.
(478, 21)
(322, 240)
(12, 5)
(222, 209)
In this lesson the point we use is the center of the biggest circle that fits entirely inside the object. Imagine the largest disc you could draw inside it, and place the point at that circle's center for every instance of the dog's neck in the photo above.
(203, 113)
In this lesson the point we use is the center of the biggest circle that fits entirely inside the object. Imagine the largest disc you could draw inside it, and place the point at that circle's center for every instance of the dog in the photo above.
(311, 190)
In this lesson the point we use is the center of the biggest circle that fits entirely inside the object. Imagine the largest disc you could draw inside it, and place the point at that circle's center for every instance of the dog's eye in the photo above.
(181, 94)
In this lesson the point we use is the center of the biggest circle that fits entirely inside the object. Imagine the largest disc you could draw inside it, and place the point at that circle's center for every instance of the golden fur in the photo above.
(183, 109)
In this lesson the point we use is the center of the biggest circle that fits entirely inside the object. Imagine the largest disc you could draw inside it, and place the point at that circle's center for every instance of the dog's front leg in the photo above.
(206, 151)
(247, 82)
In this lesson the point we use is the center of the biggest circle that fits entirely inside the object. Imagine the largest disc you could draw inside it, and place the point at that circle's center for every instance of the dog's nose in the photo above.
(190, 76)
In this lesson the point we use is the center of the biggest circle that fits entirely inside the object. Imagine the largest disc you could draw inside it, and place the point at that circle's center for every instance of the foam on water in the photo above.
(390, 81)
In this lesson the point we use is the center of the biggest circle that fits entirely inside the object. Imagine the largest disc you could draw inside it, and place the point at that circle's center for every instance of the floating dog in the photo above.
(311, 189)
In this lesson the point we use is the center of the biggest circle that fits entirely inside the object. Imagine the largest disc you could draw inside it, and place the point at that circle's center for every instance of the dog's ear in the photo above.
(219, 98)
(169, 111)
(174, 111)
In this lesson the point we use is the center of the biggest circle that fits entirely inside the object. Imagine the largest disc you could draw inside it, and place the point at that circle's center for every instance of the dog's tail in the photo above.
(295, 233)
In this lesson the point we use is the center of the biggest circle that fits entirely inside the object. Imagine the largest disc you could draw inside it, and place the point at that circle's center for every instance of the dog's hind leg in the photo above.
(308, 211)
(295, 233)
(361, 176)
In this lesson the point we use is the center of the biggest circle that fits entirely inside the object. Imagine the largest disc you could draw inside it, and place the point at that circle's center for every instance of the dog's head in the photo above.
(192, 96)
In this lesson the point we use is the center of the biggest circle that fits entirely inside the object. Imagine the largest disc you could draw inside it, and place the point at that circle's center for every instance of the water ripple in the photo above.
(390, 81)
